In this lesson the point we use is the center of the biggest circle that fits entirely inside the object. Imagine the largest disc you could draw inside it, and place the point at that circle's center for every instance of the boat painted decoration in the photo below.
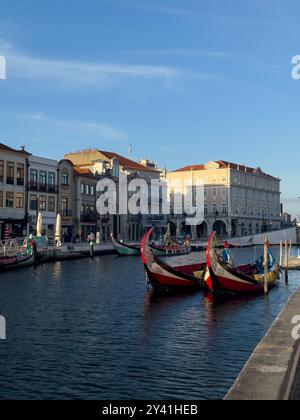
(171, 247)
(222, 276)
(14, 255)
(163, 277)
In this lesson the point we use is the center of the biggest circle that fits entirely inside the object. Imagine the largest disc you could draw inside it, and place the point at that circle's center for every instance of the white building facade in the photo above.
(13, 174)
(42, 193)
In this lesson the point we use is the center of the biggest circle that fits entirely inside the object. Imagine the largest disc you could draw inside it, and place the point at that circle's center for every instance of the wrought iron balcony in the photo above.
(88, 217)
(41, 187)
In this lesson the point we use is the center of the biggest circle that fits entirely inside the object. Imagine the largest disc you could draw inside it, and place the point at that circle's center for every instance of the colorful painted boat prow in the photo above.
(163, 277)
(16, 256)
(222, 276)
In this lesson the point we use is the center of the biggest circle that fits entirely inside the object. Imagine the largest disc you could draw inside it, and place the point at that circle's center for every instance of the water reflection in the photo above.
(90, 329)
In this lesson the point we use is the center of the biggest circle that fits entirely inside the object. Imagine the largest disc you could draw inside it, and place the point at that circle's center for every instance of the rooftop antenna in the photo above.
(130, 151)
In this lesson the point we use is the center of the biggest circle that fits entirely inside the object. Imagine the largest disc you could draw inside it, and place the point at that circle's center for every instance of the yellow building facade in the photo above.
(238, 200)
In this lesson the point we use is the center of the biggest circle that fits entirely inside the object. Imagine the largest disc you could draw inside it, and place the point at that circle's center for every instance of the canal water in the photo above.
(90, 329)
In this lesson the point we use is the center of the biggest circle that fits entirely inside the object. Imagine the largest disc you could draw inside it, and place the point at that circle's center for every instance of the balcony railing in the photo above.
(40, 187)
(10, 180)
(88, 217)
(66, 214)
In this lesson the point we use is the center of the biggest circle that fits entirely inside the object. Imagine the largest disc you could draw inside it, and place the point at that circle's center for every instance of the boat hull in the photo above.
(10, 263)
(222, 278)
(163, 277)
(125, 250)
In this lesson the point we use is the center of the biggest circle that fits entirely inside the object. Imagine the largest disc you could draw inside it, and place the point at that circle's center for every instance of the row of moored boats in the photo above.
(217, 271)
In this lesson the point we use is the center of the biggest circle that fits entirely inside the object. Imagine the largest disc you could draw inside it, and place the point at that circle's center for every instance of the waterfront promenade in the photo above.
(295, 395)
(273, 371)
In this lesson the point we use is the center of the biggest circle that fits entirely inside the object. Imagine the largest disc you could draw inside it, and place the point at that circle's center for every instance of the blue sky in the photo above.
(182, 81)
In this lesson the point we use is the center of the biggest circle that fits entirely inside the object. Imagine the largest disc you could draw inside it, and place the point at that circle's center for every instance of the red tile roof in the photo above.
(190, 168)
(10, 149)
(127, 163)
(83, 172)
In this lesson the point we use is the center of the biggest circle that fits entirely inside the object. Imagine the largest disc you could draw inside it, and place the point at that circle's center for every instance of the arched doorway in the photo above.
(243, 229)
(185, 229)
(234, 228)
(250, 229)
(220, 228)
(202, 230)
(173, 229)
(257, 229)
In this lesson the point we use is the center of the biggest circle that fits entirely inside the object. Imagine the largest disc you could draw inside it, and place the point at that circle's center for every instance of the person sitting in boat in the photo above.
(260, 263)
(225, 255)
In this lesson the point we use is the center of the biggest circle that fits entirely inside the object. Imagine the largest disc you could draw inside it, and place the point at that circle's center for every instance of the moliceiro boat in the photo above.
(15, 254)
(222, 276)
(163, 277)
(170, 247)
(125, 250)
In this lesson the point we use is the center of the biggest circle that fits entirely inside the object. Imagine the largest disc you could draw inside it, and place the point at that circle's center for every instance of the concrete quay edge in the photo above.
(270, 372)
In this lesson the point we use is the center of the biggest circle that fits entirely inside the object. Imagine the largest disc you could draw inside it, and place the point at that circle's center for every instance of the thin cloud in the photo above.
(102, 130)
(181, 52)
(84, 75)
(76, 73)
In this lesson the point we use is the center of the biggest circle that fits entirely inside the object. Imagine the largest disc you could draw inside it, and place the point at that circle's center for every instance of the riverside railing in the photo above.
(11, 247)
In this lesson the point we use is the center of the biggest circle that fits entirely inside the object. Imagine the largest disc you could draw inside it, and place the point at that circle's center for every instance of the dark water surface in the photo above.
(89, 329)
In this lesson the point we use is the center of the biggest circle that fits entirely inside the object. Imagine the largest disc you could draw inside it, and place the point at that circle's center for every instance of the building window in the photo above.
(51, 182)
(51, 204)
(1, 199)
(92, 190)
(224, 209)
(214, 192)
(33, 202)
(19, 200)
(215, 209)
(10, 173)
(1, 170)
(224, 192)
(65, 207)
(43, 203)
(43, 181)
(65, 179)
(82, 188)
(10, 199)
(87, 189)
(20, 174)
(33, 179)
(205, 210)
